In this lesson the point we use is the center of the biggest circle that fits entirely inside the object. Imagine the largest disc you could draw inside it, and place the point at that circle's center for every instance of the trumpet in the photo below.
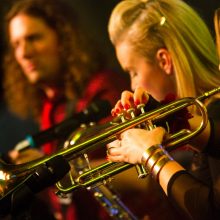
(11, 174)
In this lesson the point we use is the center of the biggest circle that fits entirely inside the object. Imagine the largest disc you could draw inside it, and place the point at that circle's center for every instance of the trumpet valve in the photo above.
(122, 117)
(141, 108)
(131, 111)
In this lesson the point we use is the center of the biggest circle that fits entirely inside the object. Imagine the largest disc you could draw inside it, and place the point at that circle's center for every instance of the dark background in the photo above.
(93, 16)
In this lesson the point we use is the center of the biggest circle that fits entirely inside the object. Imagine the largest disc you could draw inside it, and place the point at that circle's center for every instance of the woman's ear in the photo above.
(165, 61)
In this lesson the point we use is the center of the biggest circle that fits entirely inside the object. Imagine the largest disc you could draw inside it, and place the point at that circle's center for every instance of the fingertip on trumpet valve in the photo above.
(117, 110)
(113, 113)
(127, 106)
(137, 102)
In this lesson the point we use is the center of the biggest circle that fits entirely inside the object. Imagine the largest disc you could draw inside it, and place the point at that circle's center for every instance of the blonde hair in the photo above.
(217, 31)
(152, 24)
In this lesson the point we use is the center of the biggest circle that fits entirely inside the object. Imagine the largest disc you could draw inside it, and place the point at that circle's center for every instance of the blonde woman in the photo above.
(167, 49)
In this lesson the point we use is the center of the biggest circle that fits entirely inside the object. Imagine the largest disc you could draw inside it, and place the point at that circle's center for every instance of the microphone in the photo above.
(45, 175)
(96, 111)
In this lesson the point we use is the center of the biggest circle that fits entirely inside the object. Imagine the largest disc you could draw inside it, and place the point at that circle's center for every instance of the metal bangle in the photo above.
(148, 153)
(153, 160)
(159, 165)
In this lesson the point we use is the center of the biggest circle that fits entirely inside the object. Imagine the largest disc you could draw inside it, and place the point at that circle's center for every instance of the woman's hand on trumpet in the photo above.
(130, 100)
(132, 143)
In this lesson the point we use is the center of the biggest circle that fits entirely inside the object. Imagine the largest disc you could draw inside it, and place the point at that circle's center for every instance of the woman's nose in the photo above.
(133, 85)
